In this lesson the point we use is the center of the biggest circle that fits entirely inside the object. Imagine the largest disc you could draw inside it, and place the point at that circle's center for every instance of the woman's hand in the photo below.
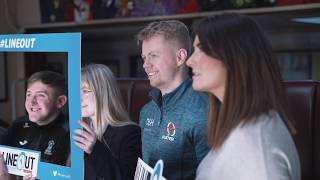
(4, 175)
(85, 138)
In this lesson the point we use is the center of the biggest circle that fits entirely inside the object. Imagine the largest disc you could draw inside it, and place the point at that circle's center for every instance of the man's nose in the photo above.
(146, 63)
(33, 99)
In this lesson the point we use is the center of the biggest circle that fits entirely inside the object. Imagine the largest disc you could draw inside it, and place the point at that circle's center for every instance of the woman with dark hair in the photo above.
(248, 126)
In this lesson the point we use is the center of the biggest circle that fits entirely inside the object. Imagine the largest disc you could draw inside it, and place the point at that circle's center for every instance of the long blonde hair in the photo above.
(110, 109)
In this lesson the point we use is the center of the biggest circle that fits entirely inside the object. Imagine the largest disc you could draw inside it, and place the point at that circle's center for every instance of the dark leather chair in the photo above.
(3, 128)
(140, 97)
(317, 135)
(303, 104)
(125, 86)
(135, 94)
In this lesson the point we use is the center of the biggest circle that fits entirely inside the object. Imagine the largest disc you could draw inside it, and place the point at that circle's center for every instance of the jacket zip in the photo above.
(39, 140)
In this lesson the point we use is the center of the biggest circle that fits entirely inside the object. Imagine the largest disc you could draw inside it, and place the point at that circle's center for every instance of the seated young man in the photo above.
(45, 129)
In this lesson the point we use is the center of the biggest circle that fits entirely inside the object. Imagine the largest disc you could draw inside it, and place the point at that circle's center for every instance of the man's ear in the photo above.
(182, 55)
(61, 101)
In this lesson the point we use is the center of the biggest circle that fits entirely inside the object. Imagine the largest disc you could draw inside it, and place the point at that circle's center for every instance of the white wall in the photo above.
(28, 12)
(15, 61)
(15, 70)
(7, 17)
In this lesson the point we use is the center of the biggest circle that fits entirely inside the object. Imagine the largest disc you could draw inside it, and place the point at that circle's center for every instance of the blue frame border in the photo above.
(57, 42)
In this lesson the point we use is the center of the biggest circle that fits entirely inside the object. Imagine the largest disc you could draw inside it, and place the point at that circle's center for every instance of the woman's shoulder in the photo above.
(128, 134)
(125, 129)
(260, 124)
(267, 141)
(128, 127)
(266, 131)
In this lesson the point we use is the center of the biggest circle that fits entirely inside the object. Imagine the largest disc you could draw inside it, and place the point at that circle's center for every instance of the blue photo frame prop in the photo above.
(56, 42)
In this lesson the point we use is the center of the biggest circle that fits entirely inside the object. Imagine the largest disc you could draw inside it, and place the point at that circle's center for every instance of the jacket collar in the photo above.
(60, 120)
(172, 97)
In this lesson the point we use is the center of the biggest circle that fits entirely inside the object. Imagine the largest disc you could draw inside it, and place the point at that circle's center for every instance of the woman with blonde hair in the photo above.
(112, 143)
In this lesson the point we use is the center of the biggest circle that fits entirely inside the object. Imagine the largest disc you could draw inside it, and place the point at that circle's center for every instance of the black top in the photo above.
(53, 139)
(116, 157)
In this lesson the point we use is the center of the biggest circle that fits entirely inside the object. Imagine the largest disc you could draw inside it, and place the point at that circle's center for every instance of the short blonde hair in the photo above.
(171, 30)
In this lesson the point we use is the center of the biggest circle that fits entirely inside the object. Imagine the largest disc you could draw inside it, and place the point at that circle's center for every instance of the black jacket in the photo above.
(53, 140)
(116, 157)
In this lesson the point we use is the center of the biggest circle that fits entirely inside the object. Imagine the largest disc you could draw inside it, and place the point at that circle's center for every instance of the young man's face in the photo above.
(159, 62)
(42, 103)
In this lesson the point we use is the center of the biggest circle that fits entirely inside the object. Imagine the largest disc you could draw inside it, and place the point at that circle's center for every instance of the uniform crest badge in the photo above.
(48, 151)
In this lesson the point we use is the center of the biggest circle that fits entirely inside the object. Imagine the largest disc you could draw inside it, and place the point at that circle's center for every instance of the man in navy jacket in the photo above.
(174, 122)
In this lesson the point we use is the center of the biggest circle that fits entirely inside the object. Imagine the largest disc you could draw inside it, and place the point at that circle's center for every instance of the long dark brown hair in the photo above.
(253, 84)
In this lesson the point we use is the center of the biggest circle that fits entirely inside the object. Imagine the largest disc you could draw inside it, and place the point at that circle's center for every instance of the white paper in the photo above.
(20, 161)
